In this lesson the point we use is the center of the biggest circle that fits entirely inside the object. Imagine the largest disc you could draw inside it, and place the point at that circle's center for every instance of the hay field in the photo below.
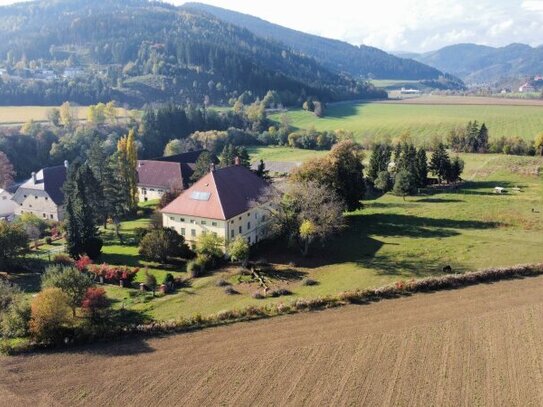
(477, 346)
(14, 115)
(425, 120)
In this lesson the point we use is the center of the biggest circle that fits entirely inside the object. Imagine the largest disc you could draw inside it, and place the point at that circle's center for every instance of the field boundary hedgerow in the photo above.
(360, 297)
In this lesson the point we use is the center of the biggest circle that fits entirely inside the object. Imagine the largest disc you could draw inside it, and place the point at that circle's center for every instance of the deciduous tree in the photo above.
(70, 280)
(7, 172)
(50, 315)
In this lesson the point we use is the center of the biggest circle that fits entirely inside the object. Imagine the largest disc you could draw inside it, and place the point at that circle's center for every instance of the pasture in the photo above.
(424, 119)
(388, 240)
(480, 345)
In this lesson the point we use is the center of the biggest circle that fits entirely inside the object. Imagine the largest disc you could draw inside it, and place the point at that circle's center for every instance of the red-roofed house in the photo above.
(221, 202)
(159, 175)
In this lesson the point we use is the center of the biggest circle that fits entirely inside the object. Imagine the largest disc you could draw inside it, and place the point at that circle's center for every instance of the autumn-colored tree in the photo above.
(70, 280)
(7, 173)
(538, 144)
(95, 303)
(341, 170)
(67, 115)
(128, 164)
(50, 315)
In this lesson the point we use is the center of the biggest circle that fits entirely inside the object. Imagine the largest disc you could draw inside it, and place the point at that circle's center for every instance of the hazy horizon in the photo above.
(402, 25)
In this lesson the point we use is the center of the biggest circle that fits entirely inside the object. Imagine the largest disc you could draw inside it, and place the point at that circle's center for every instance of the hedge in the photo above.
(399, 288)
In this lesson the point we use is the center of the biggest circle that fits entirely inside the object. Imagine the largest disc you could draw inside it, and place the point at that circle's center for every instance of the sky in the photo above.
(402, 25)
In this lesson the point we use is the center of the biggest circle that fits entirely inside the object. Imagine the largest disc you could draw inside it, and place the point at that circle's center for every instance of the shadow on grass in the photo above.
(439, 200)
(357, 244)
(283, 275)
(342, 110)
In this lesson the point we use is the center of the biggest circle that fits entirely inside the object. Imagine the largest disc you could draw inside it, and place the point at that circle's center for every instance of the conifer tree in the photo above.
(81, 231)
(440, 163)
(421, 168)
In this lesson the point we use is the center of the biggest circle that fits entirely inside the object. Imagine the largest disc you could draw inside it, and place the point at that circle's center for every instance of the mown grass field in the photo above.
(388, 240)
(13, 115)
(476, 346)
(424, 122)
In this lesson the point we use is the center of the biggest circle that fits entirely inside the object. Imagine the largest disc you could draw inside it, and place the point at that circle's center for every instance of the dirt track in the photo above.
(481, 345)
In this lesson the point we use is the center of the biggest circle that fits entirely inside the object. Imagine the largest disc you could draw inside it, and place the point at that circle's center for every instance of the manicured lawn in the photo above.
(423, 122)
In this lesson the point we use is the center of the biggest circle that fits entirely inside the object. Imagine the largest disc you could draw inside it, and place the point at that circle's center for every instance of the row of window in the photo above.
(203, 222)
(44, 215)
(36, 197)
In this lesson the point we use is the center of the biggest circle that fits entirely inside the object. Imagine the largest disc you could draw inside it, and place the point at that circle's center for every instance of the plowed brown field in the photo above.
(481, 345)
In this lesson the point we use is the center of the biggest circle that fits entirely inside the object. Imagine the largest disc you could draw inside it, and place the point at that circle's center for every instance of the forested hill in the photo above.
(135, 52)
(335, 55)
(481, 63)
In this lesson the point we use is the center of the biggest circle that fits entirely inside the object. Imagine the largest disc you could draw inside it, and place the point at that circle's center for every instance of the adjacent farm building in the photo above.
(42, 194)
(159, 175)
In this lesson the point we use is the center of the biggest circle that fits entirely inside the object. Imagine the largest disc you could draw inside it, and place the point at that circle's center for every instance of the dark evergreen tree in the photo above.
(421, 168)
(262, 172)
(202, 166)
(440, 163)
(455, 169)
(379, 160)
(81, 232)
(482, 139)
(403, 184)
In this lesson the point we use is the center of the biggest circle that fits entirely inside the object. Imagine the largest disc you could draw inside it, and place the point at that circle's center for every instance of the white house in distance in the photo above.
(222, 202)
(7, 206)
(42, 194)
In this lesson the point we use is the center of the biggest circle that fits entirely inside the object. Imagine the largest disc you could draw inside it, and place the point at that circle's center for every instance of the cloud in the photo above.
(407, 25)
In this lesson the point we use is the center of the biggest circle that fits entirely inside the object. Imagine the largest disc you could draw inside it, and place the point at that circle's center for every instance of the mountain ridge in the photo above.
(334, 54)
(482, 63)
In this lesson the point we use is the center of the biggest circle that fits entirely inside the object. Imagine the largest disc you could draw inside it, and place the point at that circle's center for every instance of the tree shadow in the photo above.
(439, 200)
(342, 110)
(289, 274)
(357, 243)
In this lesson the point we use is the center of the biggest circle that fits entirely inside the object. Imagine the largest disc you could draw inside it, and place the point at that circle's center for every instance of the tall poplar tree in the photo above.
(128, 164)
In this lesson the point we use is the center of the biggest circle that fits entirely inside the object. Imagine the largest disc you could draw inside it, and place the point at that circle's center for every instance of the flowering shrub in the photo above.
(83, 263)
(113, 274)
(95, 302)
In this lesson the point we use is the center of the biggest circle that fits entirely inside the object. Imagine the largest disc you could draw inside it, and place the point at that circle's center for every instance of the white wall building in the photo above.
(42, 194)
(7, 206)
(222, 202)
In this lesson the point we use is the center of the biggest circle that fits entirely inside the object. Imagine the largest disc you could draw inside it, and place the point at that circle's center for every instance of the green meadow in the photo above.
(389, 239)
(370, 121)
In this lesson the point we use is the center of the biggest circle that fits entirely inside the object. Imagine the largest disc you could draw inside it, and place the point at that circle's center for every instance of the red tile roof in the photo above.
(159, 174)
(221, 194)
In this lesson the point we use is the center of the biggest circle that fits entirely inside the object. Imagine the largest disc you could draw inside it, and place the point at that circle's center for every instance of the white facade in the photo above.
(41, 205)
(252, 225)
(150, 193)
(7, 206)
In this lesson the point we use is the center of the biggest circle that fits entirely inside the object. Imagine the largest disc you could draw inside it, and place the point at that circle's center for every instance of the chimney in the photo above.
(34, 177)
(237, 161)
(212, 167)
(66, 163)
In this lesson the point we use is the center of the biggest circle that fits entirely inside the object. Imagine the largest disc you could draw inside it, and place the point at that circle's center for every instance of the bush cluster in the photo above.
(113, 274)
